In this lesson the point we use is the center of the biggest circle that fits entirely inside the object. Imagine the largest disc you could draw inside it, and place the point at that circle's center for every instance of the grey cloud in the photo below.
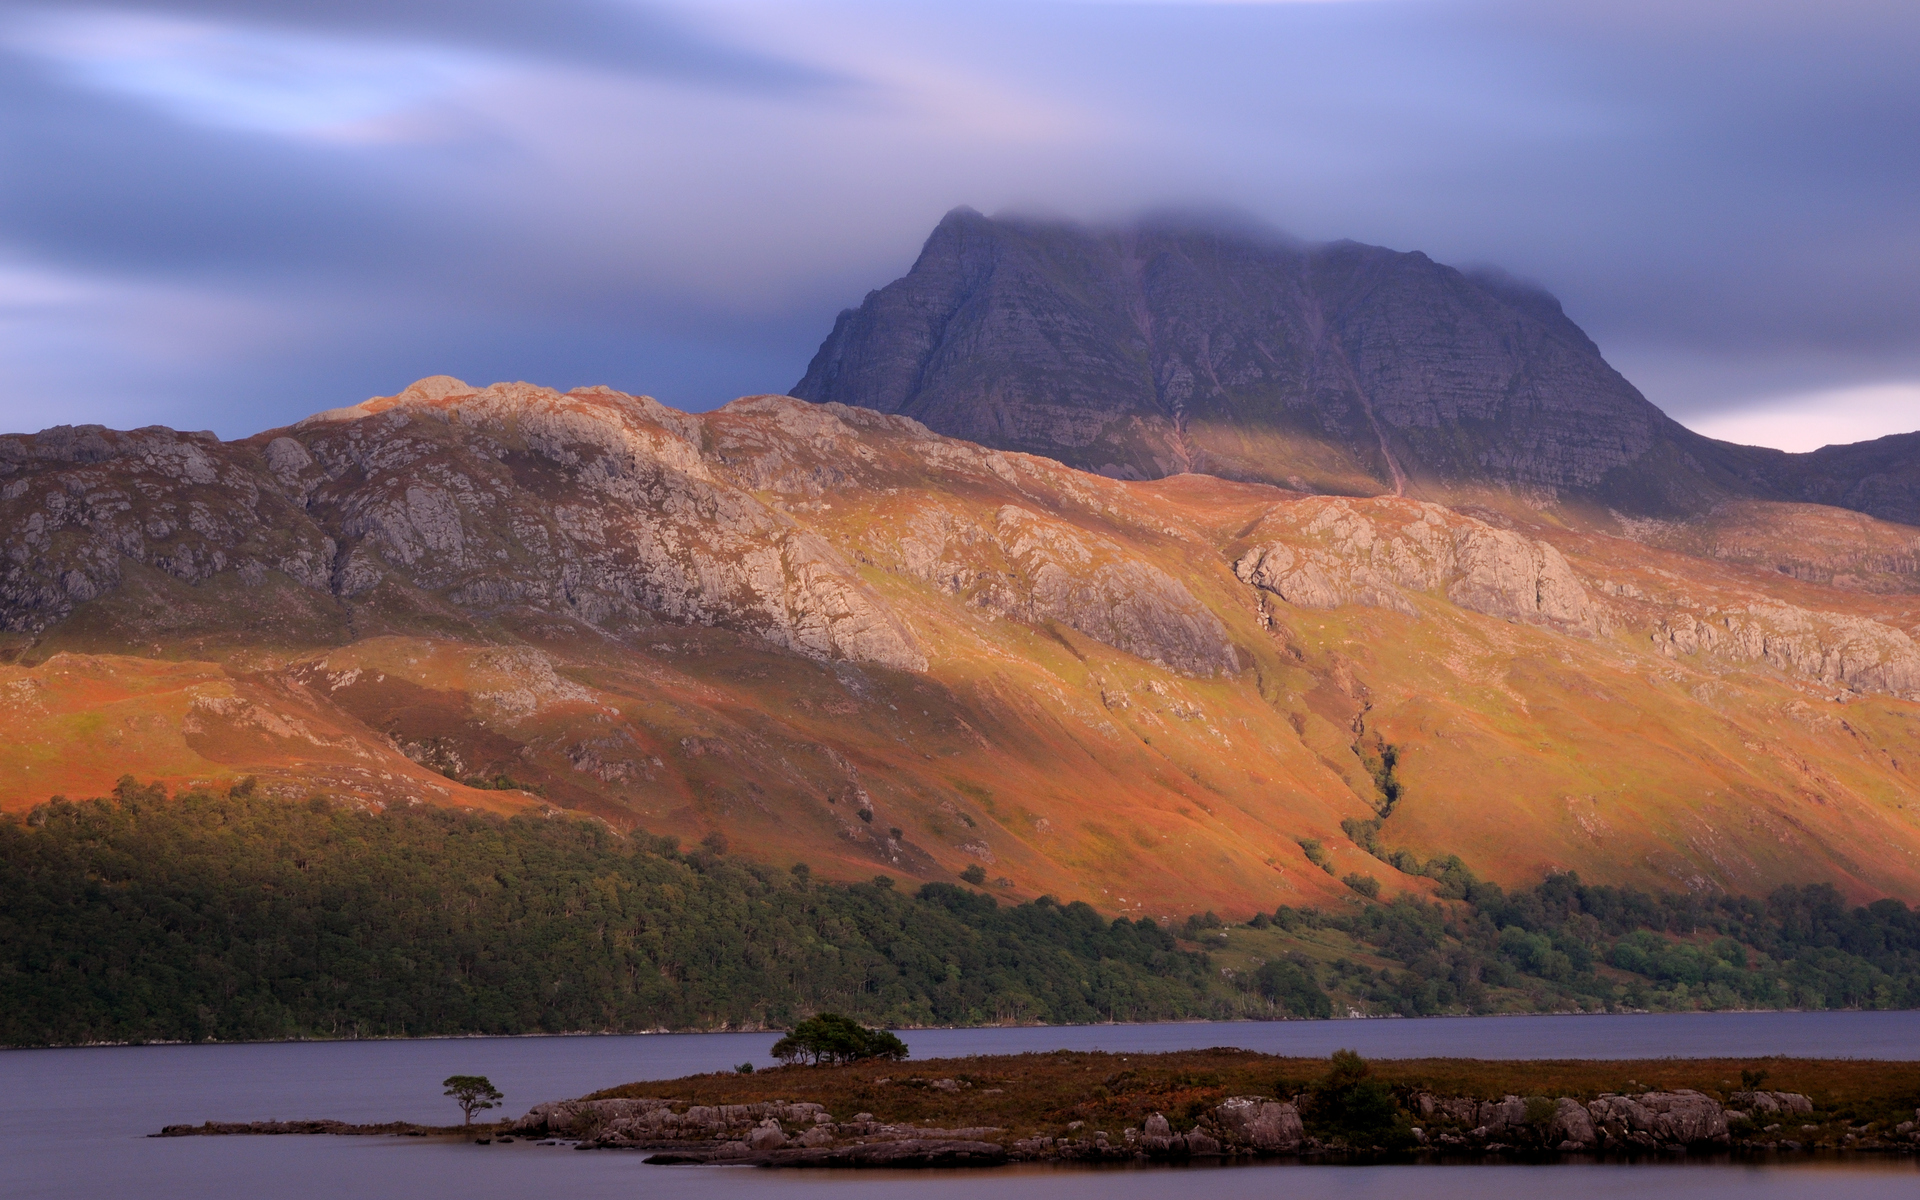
(1720, 193)
(106, 183)
(613, 35)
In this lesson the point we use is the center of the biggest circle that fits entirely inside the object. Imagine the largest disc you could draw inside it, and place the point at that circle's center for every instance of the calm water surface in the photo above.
(72, 1122)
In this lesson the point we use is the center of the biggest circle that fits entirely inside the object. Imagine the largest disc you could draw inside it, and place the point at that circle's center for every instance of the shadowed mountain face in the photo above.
(1337, 368)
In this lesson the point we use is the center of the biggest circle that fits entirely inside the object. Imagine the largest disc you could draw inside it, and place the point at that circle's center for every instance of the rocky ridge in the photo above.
(837, 635)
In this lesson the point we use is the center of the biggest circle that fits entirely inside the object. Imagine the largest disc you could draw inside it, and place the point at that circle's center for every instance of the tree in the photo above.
(472, 1093)
(975, 874)
(832, 1038)
(1292, 987)
(1350, 1104)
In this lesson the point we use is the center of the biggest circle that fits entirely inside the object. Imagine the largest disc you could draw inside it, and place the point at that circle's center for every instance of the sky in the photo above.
(226, 214)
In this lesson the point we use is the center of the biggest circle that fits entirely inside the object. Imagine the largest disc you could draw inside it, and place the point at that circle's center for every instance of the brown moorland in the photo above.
(1043, 1094)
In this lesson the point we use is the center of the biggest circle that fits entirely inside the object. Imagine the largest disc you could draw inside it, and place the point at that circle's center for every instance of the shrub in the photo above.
(1350, 1104)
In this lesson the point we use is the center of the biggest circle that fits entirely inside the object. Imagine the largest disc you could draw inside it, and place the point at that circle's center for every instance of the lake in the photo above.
(73, 1122)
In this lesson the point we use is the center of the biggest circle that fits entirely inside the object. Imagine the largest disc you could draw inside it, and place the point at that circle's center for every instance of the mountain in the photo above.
(1339, 368)
(831, 635)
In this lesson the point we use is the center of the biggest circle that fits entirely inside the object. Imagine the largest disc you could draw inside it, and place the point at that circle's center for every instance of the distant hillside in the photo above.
(198, 916)
(1342, 368)
(832, 636)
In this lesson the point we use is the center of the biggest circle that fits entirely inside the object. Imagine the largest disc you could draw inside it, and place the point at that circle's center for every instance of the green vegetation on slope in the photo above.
(1564, 945)
(232, 917)
(238, 917)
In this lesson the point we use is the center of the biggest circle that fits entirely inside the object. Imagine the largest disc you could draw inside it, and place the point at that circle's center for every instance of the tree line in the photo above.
(1564, 944)
(142, 917)
(232, 916)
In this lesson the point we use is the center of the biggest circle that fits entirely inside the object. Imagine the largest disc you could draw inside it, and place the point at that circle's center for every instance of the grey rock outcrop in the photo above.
(1261, 1124)
(594, 505)
(1572, 1127)
(1644, 1121)
(1835, 649)
(1038, 568)
(1679, 1118)
(1769, 1104)
(1375, 552)
(1498, 1118)
(647, 1120)
(766, 1136)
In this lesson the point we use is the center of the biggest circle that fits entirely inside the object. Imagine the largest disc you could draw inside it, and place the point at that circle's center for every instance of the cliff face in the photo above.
(1340, 368)
(836, 636)
(1346, 368)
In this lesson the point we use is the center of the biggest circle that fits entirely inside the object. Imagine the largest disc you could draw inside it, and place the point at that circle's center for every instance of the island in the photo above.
(1074, 1106)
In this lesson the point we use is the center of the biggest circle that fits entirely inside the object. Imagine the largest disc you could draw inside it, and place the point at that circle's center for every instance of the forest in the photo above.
(143, 917)
(236, 916)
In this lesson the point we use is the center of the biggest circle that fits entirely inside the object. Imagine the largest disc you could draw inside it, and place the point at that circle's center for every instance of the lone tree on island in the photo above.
(832, 1038)
(472, 1093)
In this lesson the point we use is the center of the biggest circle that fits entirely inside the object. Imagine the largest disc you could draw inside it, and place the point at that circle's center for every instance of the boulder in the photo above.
(766, 1137)
(1679, 1118)
(1771, 1104)
(1686, 1117)
(1200, 1143)
(1572, 1127)
(1460, 1110)
(1498, 1116)
(1259, 1123)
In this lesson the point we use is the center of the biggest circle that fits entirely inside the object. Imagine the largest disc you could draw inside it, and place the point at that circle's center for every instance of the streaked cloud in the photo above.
(237, 211)
(269, 81)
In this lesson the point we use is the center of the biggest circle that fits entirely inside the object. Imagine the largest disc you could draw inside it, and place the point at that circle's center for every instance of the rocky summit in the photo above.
(1174, 346)
(823, 633)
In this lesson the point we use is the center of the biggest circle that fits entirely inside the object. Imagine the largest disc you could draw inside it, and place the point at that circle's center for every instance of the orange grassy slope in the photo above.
(835, 638)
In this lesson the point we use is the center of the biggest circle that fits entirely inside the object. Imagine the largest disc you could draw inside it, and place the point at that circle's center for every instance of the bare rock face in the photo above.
(595, 505)
(1090, 584)
(1680, 1118)
(1165, 347)
(1499, 1117)
(1162, 348)
(1035, 567)
(1375, 552)
(1572, 1127)
(1773, 1103)
(1459, 1110)
(1200, 1143)
(766, 1136)
(1261, 1124)
(1835, 649)
(757, 1127)
(78, 503)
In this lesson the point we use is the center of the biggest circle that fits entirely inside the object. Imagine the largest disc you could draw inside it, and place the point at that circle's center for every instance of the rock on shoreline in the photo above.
(779, 1133)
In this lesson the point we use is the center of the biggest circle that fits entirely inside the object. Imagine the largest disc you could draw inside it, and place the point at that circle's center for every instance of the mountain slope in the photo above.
(1337, 368)
(833, 636)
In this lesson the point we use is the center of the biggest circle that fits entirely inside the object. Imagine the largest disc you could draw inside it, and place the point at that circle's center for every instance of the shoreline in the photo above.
(1238, 1021)
(1091, 1107)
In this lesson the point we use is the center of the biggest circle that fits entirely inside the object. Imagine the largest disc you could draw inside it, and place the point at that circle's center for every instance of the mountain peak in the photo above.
(1187, 344)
